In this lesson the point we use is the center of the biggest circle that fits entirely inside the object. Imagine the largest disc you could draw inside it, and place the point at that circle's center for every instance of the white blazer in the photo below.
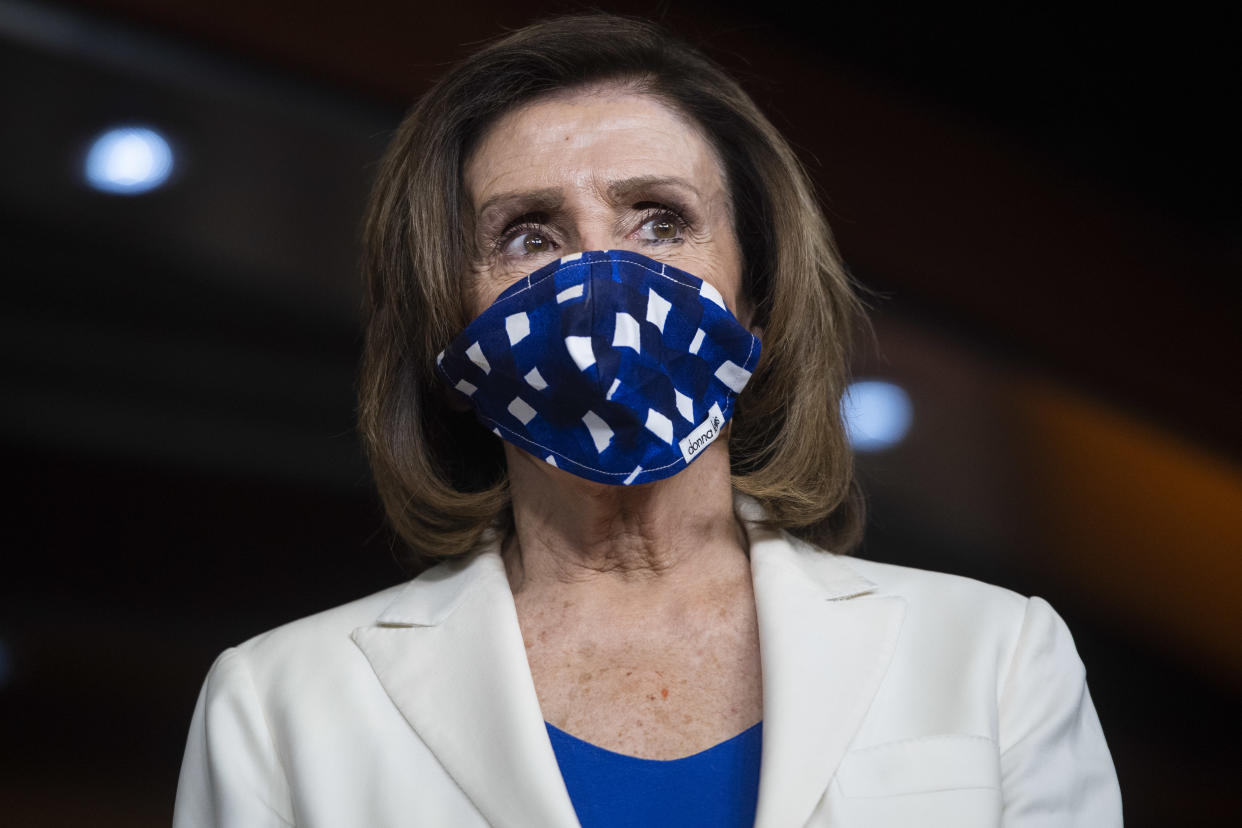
(891, 697)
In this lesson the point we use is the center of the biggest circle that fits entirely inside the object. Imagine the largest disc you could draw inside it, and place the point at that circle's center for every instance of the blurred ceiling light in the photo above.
(128, 161)
(877, 414)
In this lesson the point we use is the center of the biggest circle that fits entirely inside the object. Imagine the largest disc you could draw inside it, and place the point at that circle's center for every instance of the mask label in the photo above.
(702, 436)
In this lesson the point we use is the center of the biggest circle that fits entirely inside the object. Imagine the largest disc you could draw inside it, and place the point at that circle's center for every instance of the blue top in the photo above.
(716, 788)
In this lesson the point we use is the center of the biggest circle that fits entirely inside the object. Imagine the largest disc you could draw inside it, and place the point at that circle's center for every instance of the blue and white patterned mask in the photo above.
(607, 364)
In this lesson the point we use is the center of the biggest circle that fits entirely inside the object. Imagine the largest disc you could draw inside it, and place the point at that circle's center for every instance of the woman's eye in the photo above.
(529, 243)
(660, 228)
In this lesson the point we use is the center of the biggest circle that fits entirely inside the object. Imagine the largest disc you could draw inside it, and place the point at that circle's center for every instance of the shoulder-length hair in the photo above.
(441, 476)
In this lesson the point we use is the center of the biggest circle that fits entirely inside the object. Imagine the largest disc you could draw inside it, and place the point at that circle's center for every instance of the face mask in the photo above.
(606, 364)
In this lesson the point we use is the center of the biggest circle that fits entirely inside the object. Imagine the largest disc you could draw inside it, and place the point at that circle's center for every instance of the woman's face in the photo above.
(599, 169)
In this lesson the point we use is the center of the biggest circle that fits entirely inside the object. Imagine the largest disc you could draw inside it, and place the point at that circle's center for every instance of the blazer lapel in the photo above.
(825, 644)
(450, 655)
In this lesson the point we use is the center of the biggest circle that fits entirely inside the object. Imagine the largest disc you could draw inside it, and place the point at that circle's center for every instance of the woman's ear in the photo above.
(746, 316)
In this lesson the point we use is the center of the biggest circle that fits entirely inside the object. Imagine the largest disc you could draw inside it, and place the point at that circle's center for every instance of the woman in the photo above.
(587, 240)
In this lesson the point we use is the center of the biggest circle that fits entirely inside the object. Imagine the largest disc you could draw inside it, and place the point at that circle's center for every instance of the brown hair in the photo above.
(442, 478)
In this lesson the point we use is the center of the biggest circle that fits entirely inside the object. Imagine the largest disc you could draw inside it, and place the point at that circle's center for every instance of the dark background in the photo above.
(1044, 201)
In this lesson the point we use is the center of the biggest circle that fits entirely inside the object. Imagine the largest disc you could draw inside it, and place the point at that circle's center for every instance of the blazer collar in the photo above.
(825, 642)
(450, 654)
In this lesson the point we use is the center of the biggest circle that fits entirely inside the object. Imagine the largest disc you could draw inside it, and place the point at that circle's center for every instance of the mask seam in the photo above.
(570, 459)
(531, 285)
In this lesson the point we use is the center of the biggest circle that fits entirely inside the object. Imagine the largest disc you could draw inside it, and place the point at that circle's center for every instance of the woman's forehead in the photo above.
(591, 138)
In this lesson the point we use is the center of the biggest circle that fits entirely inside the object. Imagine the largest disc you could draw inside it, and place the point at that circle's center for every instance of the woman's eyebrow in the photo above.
(625, 187)
(547, 199)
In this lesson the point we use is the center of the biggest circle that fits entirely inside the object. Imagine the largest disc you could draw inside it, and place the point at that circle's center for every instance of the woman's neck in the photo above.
(622, 539)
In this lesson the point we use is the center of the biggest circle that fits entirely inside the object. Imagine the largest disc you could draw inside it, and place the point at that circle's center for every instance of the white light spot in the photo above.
(877, 414)
(572, 257)
(128, 161)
